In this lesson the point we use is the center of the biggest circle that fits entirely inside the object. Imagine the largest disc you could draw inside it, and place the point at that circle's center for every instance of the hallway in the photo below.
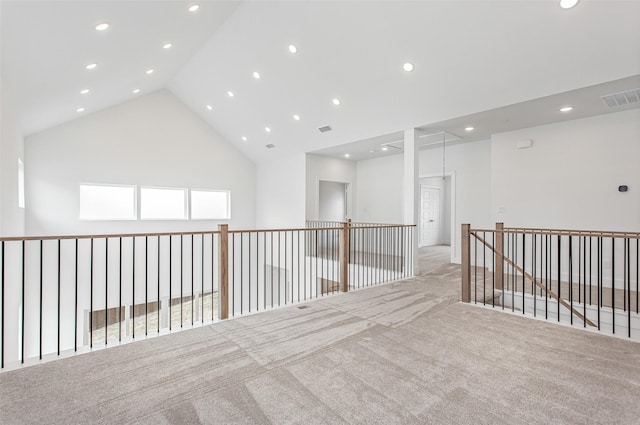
(406, 352)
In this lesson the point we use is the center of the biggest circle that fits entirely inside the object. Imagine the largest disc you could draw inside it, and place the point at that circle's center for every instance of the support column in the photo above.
(411, 190)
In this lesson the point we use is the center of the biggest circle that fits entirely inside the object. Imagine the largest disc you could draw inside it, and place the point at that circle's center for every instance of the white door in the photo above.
(429, 216)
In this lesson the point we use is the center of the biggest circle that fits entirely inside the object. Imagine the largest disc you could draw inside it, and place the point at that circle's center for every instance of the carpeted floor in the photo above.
(406, 353)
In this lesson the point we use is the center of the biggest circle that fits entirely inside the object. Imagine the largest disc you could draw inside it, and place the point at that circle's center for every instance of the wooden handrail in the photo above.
(561, 232)
(538, 284)
(103, 236)
(198, 232)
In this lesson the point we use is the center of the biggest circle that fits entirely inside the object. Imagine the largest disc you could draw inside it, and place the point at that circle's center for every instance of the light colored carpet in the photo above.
(405, 353)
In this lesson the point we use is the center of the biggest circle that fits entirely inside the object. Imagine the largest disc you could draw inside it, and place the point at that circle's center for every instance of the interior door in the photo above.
(429, 216)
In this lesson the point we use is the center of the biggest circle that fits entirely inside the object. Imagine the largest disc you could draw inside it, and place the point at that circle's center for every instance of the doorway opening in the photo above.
(332, 201)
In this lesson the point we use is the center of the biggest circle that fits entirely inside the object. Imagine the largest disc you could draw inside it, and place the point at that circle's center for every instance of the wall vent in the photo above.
(621, 99)
(325, 129)
(270, 146)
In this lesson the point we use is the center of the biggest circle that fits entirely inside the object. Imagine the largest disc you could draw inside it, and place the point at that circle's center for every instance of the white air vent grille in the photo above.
(325, 129)
(621, 99)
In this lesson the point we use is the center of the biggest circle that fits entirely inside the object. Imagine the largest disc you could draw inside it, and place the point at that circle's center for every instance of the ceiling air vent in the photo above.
(270, 146)
(621, 99)
(325, 129)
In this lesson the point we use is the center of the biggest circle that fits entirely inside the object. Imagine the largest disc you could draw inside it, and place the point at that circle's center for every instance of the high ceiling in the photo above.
(469, 57)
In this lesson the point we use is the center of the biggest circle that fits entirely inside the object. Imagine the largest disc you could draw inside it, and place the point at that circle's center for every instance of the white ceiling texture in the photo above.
(493, 65)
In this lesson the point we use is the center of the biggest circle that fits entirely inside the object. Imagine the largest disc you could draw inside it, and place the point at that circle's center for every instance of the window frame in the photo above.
(134, 217)
(228, 198)
(185, 206)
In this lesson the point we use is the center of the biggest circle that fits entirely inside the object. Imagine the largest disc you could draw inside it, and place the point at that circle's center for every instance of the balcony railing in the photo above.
(65, 294)
(583, 278)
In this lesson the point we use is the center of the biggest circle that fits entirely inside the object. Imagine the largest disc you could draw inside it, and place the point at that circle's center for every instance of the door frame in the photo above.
(454, 239)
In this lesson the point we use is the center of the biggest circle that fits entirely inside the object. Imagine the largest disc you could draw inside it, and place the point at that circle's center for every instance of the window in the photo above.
(210, 204)
(163, 204)
(107, 202)
(20, 183)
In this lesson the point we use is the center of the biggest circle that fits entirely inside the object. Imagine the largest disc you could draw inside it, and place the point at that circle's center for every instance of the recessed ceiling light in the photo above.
(150, 71)
(84, 91)
(193, 7)
(296, 117)
(135, 91)
(79, 109)
(293, 49)
(336, 102)
(346, 155)
(372, 151)
(91, 66)
(385, 148)
(101, 27)
(230, 93)
(568, 4)
(408, 66)
(267, 129)
(470, 128)
(209, 107)
(167, 46)
(566, 109)
(256, 75)
(244, 139)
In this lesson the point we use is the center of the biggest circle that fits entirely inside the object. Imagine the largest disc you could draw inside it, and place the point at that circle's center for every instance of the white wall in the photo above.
(569, 178)
(150, 141)
(281, 193)
(329, 169)
(469, 164)
(379, 197)
(12, 218)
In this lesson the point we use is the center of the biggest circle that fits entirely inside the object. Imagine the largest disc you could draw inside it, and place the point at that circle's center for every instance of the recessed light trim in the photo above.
(244, 139)
(293, 49)
(469, 128)
(84, 91)
(567, 108)
(296, 117)
(256, 75)
(267, 129)
(209, 107)
(150, 71)
(136, 91)
(408, 67)
(91, 66)
(346, 155)
(193, 7)
(80, 110)
(568, 4)
(230, 93)
(167, 46)
(103, 26)
(336, 102)
(385, 148)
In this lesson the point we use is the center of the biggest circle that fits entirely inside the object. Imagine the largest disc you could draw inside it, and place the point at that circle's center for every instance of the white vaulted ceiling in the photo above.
(469, 57)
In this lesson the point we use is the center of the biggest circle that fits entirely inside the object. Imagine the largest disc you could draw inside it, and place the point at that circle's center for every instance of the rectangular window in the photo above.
(210, 204)
(163, 204)
(20, 183)
(107, 202)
